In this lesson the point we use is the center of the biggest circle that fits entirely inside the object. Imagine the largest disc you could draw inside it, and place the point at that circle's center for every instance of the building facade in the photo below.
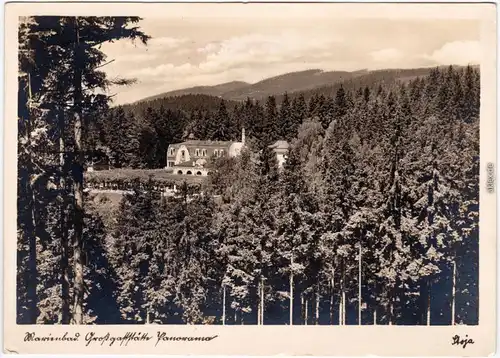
(192, 157)
(281, 149)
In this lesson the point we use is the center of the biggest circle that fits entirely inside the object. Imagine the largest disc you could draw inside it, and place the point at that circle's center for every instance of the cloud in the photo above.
(209, 48)
(166, 42)
(162, 71)
(386, 55)
(138, 53)
(263, 49)
(154, 44)
(137, 58)
(243, 54)
(457, 53)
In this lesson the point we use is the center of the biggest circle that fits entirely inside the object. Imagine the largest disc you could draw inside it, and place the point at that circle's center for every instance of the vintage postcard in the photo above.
(250, 179)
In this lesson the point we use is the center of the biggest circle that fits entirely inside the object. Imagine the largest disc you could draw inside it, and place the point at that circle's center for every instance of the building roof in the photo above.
(280, 144)
(203, 143)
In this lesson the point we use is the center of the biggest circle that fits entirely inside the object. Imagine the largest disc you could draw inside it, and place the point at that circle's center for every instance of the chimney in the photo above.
(243, 135)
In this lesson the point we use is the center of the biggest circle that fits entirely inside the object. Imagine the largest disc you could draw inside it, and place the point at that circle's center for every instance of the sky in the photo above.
(193, 51)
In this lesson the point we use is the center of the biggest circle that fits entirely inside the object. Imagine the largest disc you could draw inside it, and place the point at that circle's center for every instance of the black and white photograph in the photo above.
(249, 170)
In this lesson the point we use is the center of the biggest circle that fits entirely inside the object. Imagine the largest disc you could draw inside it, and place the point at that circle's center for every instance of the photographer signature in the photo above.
(457, 341)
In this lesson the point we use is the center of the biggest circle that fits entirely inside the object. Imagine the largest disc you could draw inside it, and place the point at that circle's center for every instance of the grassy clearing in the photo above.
(107, 205)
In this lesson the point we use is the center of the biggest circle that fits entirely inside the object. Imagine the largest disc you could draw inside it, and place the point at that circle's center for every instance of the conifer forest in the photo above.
(372, 220)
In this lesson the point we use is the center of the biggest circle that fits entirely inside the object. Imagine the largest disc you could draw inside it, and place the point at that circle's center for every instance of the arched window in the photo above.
(197, 152)
(198, 173)
(204, 152)
(179, 172)
(172, 151)
(221, 153)
(189, 172)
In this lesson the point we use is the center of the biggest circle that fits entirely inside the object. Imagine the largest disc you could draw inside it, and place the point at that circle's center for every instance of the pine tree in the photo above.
(73, 42)
(270, 131)
(285, 120)
(299, 113)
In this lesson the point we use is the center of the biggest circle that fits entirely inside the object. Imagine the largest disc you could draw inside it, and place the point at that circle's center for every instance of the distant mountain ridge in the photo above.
(217, 90)
(306, 82)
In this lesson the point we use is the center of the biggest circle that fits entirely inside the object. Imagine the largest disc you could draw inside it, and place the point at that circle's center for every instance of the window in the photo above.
(179, 172)
(172, 151)
(197, 152)
(170, 164)
(183, 155)
(204, 152)
(216, 153)
(189, 172)
(221, 153)
(198, 173)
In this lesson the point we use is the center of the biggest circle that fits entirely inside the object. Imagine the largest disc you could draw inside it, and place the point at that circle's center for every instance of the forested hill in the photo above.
(217, 90)
(290, 82)
(138, 134)
(183, 102)
(308, 82)
(365, 79)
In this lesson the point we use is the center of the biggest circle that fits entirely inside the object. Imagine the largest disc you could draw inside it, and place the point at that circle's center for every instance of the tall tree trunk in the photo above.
(390, 312)
(259, 308)
(316, 316)
(32, 276)
(291, 292)
(306, 313)
(359, 285)
(332, 299)
(375, 316)
(343, 307)
(343, 294)
(428, 303)
(340, 305)
(65, 311)
(31, 231)
(78, 182)
(303, 308)
(262, 300)
(223, 305)
(391, 304)
(453, 291)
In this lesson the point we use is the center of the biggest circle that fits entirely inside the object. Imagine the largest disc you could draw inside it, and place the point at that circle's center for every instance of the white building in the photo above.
(191, 157)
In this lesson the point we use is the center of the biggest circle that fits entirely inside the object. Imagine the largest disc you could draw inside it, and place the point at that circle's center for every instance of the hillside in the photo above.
(290, 82)
(308, 83)
(217, 90)
(185, 103)
(365, 79)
